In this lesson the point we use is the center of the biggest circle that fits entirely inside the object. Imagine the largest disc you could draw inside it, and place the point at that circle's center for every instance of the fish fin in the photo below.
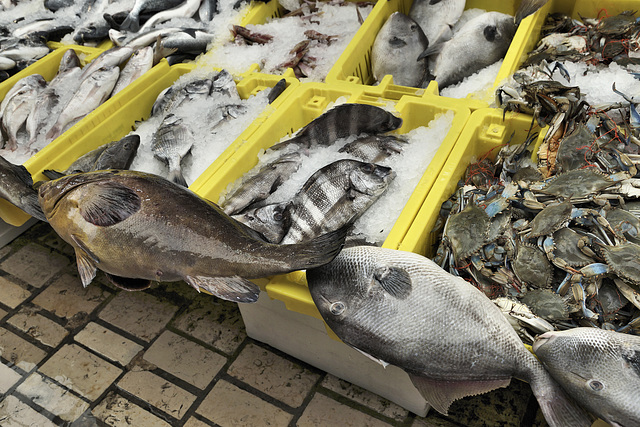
(395, 281)
(632, 357)
(528, 7)
(86, 261)
(23, 174)
(318, 251)
(234, 288)
(112, 204)
(432, 49)
(131, 23)
(375, 359)
(176, 177)
(440, 394)
(52, 174)
(128, 283)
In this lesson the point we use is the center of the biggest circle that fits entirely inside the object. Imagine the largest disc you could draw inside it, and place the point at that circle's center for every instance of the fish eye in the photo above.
(337, 308)
(368, 168)
(413, 27)
(595, 385)
(277, 216)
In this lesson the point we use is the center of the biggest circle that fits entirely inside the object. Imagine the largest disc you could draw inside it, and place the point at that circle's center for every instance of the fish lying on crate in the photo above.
(442, 42)
(192, 122)
(16, 187)
(400, 308)
(600, 369)
(132, 226)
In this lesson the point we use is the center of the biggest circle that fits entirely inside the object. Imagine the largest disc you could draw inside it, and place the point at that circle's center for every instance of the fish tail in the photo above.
(131, 23)
(318, 251)
(175, 176)
(558, 408)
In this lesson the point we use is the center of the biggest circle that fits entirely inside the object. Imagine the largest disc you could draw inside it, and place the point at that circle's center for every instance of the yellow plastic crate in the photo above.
(354, 65)
(305, 104)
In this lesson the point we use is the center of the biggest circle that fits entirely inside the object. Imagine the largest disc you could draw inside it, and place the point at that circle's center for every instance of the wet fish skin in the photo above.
(436, 18)
(16, 111)
(264, 182)
(40, 111)
(340, 122)
(334, 196)
(109, 58)
(132, 21)
(134, 225)
(599, 368)
(16, 186)
(479, 43)
(171, 142)
(185, 10)
(92, 92)
(271, 221)
(193, 42)
(208, 8)
(401, 308)
(140, 62)
(374, 148)
(396, 51)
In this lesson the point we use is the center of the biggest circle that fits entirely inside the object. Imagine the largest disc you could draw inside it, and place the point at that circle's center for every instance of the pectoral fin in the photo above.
(86, 260)
(109, 204)
(395, 281)
(233, 288)
(440, 394)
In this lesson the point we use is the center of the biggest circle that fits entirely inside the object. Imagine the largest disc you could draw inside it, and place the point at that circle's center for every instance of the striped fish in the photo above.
(334, 196)
(374, 148)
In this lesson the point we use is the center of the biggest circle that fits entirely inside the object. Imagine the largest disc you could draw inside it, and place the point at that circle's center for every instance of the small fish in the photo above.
(69, 71)
(437, 17)
(401, 308)
(195, 42)
(271, 221)
(6, 63)
(223, 113)
(185, 10)
(172, 97)
(138, 227)
(25, 52)
(132, 21)
(598, 368)
(479, 43)
(109, 58)
(171, 142)
(223, 83)
(208, 8)
(397, 49)
(113, 155)
(334, 196)
(340, 122)
(374, 148)
(93, 91)
(264, 182)
(16, 111)
(16, 186)
(40, 112)
(140, 62)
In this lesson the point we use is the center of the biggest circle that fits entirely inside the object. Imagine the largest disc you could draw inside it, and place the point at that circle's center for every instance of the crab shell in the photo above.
(532, 266)
(546, 304)
(467, 231)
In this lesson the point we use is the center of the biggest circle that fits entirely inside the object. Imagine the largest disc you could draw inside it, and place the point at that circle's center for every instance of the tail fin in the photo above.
(319, 251)
(558, 408)
(131, 23)
(176, 177)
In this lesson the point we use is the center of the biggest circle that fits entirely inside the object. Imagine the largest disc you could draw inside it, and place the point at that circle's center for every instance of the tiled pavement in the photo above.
(169, 356)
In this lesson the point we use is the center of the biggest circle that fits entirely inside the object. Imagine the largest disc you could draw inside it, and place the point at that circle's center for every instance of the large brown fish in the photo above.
(401, 308)
(138, 227)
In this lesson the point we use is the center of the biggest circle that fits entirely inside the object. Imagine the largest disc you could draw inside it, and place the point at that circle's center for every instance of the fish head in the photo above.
(371, 179)
(69, 61)
(498, 28)
(401, 31)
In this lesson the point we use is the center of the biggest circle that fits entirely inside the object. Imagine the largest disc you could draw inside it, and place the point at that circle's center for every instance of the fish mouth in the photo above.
(543, 339)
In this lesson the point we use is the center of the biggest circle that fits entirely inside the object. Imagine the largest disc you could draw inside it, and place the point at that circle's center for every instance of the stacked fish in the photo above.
(35, 112)
(334, 195)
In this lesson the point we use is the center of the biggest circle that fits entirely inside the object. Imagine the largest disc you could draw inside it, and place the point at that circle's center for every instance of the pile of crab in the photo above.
(555, 242)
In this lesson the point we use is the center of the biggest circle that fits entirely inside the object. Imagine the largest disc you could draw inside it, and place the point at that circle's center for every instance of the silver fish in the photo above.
(6, 63)
(171, 142)
(478, 44)
(16, 111)
(25, 52)
(223, 83)
(40, 112)
(142, 39)
(69, 71)
(139, 63)
(396, 51)
(260, 185)
(30, 81)
(271, 221)
(194, 42)
(207, 9)
(334, 196)
(223, 113)
(16, 186)
(185, 10)
(92, 92)
(172, 97)
(340, 122)
(109, 58)
(437, 17)
(599, 368)
(374, 148)
(132, 21)
(402, 309)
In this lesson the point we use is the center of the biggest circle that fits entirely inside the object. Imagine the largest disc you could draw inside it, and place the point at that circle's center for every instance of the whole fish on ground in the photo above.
(396, 50)
(171, 142)
(335, 195)
(342, 121)
(437, 17)
(138, 227)
(16, 186)
(402, 309)
(113, 155)
(599, 368)
(479, 43)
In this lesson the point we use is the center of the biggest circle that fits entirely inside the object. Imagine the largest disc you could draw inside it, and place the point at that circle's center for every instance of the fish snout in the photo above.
(544, 339)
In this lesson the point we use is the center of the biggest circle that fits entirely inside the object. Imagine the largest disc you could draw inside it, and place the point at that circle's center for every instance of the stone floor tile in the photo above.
(5, 251)
(66, 297)
(432, 420)
(228, 405)
(2, 313)
(34, 264)
(138, 313)
(81, 371)
(12, 294)
(215, 322)
(18, 351)
(365, 397)
(53, 240)
(194, 422)
(8, 377)
(55, 399)
(185, 359)
(14, 413)
(273, 375)
(158, 392)
(323, 410)
(108, 343)
(117, 411)
(39, 327)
